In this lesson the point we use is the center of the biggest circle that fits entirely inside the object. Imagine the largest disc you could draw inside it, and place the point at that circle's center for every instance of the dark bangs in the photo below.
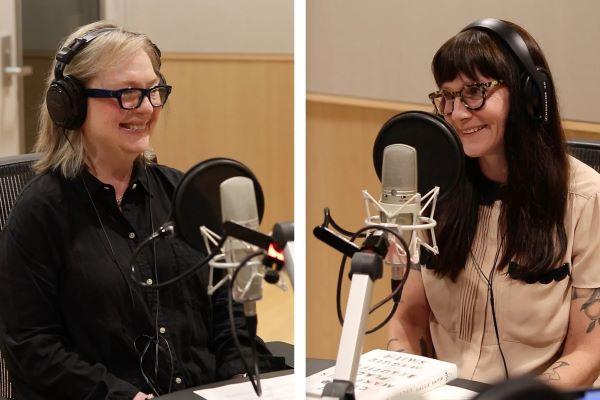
(469, 53)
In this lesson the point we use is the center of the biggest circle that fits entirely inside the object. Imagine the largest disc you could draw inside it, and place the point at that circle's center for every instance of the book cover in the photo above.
(387, 375)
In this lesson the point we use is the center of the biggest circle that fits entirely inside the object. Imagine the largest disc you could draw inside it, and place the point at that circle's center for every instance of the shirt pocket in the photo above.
(535, 314)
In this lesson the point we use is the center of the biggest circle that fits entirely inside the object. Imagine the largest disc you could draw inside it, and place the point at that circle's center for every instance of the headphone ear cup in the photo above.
(532, 96)
(67, 103)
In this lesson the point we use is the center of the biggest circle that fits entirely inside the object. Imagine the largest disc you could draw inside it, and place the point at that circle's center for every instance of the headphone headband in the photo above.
(66, 54)
(517, 45)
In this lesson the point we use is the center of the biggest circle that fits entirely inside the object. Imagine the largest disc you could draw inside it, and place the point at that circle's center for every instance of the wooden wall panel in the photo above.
(340, 136)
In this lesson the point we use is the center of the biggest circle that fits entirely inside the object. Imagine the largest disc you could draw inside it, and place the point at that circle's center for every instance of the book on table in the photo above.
(387, 375)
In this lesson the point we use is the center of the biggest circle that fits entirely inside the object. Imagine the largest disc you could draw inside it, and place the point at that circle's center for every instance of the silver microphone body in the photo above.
(238, 204)
(399, 187)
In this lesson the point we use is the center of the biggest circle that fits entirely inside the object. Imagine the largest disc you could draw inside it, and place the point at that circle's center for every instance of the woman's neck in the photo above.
(115, 172)
(494, 167)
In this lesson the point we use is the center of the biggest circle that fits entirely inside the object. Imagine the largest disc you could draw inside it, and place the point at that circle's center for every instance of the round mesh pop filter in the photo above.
(440, 157)
(197, 198)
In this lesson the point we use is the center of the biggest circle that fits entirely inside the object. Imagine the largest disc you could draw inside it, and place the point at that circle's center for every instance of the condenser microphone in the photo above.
(399, 180)
(238, 204)
(399, 200)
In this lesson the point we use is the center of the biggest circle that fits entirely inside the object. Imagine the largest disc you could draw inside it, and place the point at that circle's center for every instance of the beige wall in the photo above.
(383, 49)
(209, 26)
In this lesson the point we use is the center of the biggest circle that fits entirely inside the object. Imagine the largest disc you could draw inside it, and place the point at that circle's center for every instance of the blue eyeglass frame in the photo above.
(104, 93)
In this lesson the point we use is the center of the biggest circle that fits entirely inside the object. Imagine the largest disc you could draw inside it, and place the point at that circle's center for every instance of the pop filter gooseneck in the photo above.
(440, 157)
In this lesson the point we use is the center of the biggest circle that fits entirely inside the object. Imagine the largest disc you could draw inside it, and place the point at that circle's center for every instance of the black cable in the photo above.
(176, 278)
(328, 219)
(385, 321)
(154, 385)
(254, 352)
(251, 326)
(156, 328)
(492, 301)
(497, 334)
(396, 293)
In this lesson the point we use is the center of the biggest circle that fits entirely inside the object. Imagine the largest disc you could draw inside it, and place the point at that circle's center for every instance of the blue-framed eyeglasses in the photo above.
(131, 98)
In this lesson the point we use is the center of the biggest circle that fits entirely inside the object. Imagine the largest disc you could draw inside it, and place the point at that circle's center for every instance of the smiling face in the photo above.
(111, 133)
(480, 131)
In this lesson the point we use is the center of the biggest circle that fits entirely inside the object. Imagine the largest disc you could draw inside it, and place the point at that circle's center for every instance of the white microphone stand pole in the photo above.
(366, 267)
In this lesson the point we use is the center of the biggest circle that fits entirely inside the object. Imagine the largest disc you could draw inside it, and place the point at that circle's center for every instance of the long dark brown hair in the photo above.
(534, 198)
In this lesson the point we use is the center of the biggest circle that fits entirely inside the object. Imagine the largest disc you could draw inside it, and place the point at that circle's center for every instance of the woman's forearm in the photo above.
(571, 371)
(409, 338)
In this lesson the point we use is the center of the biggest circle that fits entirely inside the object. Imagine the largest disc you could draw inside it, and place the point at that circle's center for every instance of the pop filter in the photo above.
(440, 157)
(197, 199)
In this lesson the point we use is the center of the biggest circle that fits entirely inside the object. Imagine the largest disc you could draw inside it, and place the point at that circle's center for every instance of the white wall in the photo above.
(209, 26)
(383, 49)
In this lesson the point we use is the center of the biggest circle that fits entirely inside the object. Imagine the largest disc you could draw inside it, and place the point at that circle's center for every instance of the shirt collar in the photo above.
(140, 174)
(139, 177)
(489, 191)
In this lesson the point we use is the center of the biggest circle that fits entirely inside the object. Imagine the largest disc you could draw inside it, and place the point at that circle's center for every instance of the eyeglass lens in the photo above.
(132, 98)
(471, 96)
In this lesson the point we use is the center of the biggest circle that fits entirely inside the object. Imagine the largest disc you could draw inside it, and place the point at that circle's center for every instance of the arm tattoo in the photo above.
(591, 307)
(390, 342)
(552, 374)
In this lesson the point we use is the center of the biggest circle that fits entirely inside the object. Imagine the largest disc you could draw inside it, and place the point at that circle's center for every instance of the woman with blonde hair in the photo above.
(73, 324)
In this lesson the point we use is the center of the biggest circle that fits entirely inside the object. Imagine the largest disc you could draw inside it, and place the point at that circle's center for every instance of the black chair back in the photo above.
(587, 151)
(15, 172)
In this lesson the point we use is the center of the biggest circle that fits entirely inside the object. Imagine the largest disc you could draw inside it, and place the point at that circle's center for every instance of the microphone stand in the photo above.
(366, 267)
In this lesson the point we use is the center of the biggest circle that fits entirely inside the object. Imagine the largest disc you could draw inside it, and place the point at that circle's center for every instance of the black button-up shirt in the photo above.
(73, 324)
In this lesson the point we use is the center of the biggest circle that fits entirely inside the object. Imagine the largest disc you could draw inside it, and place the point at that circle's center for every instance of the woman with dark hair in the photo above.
(514, 288)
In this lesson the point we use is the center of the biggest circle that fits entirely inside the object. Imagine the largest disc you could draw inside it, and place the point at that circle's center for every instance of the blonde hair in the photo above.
(63, 149)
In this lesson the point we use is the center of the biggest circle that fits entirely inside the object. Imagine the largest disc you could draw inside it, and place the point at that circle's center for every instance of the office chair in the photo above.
(587, 151)
(15, 172)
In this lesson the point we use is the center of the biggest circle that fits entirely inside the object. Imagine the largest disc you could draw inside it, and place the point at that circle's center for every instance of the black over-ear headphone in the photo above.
(65, 99)
(535, 82)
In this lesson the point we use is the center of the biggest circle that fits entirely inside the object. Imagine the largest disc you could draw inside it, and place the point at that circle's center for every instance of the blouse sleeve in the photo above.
(585, 257)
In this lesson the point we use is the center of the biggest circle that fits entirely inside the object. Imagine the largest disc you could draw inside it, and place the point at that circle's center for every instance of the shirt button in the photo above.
(131, 235)
(134, 186)
(178, 380)
(149, 281)
(162, 329)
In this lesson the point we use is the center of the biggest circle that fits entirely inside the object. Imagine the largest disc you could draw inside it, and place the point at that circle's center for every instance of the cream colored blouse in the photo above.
(533, 318)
